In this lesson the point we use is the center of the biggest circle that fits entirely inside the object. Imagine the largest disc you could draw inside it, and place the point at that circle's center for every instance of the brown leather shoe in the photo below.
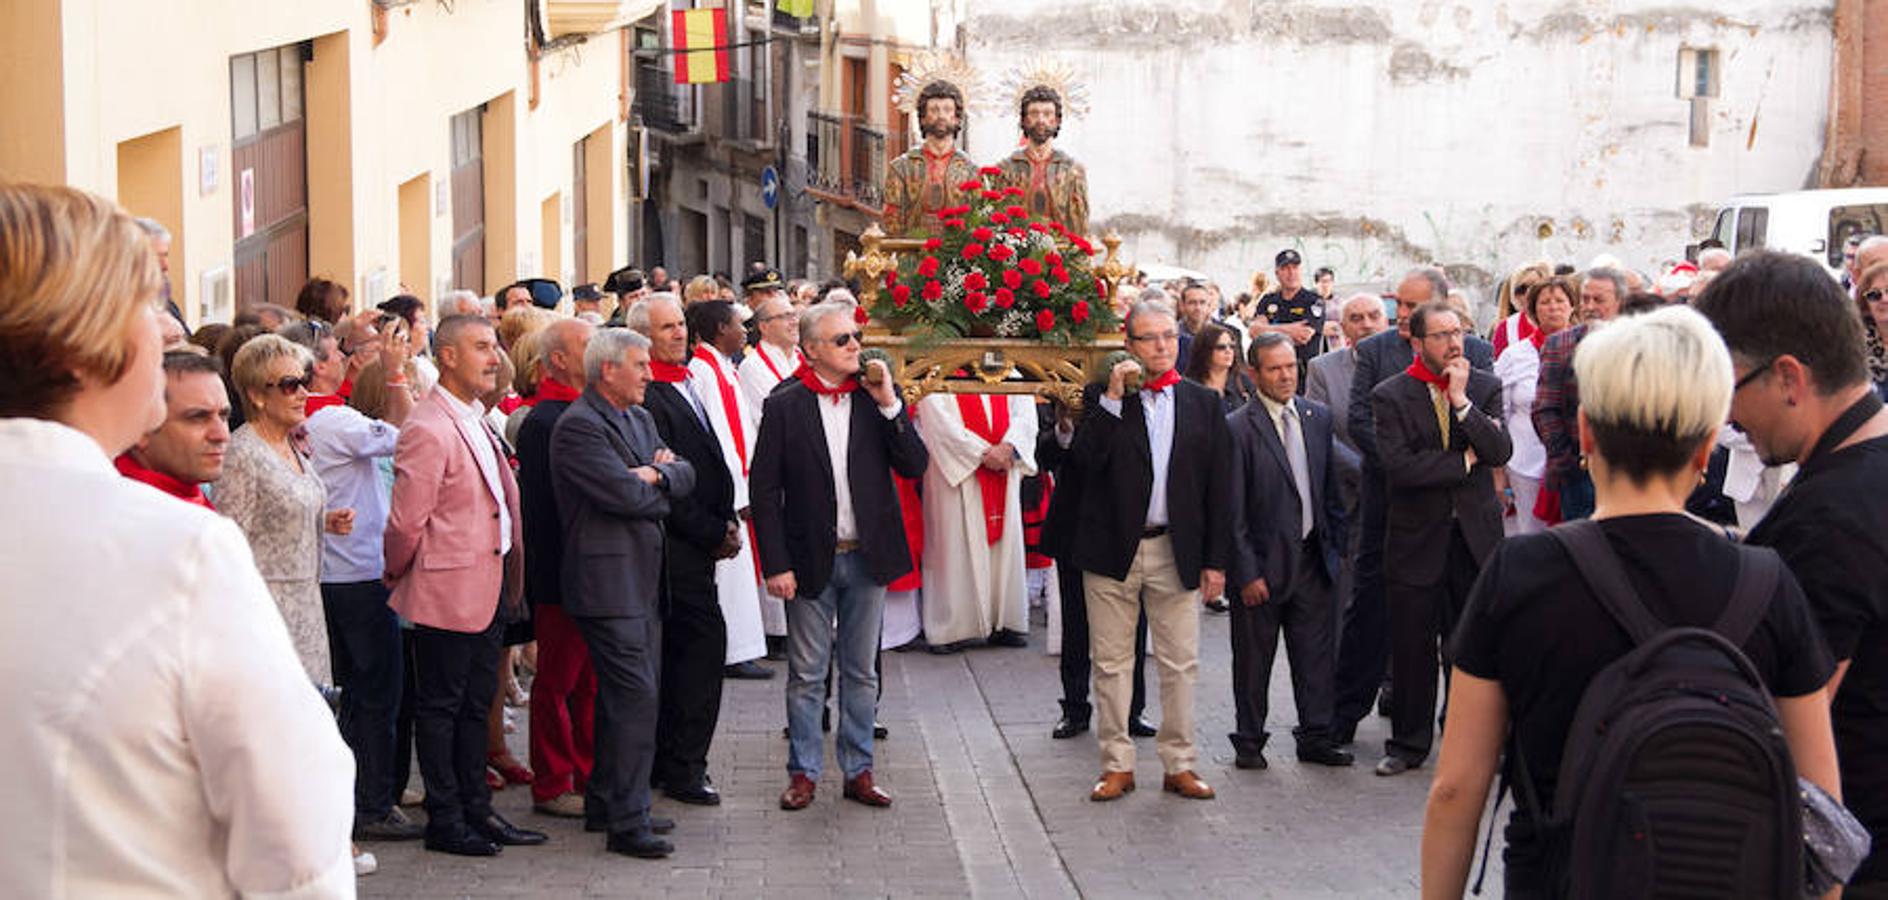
(1111, 786)
(799, 793)
(1187, 785)
(860, 788)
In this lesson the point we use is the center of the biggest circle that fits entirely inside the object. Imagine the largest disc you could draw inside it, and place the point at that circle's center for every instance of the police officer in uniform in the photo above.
(1294, 311)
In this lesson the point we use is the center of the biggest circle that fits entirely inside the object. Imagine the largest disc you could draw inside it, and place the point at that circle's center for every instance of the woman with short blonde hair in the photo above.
(701, 287)
(1654, 390)
(161, 737)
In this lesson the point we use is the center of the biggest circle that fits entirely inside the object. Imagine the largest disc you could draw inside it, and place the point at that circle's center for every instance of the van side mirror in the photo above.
(1691, 252)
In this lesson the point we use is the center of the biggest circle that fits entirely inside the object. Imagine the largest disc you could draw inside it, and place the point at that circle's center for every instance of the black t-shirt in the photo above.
(1532, 624)
(1831, 526)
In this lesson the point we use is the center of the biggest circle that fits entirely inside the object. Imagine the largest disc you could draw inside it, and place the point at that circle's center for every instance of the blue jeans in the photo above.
(857, 604)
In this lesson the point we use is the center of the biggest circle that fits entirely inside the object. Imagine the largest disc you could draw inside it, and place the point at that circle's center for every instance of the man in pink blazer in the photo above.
(455, 561)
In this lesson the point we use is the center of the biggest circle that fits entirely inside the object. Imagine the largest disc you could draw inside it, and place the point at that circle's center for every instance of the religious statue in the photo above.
(929, 176)
(1054, 185)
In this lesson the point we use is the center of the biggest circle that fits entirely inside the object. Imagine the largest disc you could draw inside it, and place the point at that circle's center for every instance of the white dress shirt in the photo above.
(162, 738)
(835, 417)
(345, 447)
(1157, 413)
(470, 417)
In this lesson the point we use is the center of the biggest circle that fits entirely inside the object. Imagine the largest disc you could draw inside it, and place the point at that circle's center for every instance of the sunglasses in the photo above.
(845, 338)
(1874, 296)
(293, 385)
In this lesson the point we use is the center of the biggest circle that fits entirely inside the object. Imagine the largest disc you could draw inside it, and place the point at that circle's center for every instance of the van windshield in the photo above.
(1864, 219)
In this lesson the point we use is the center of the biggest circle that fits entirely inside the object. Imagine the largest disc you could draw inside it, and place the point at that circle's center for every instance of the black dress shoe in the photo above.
(1325, 755)
(700, 792)
(1394, 765)
(1068, 728)
(1253, 760)
(499, 831)
(1007, 638)
(880, 732)
(1138, 726)
(460, 841)
(657, 824)
(1343, 735)
(946, 649)
(747, 671)
(1218, 606)
(640, 843)
(391, 827)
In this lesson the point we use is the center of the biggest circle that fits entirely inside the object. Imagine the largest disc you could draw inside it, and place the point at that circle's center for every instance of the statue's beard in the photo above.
(1042, 134)
(940, 130)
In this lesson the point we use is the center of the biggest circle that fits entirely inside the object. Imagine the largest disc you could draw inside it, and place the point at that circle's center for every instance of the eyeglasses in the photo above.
(845, 338)
(293, 385)
(1164, 337)
(1874, 295)
(1453, 334)
(1752, 375)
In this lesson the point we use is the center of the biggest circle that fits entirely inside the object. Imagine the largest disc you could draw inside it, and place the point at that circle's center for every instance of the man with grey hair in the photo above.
(776, 355)
(615, 483)
(160, 246)
(460, 302)
(1363, 655)
(1557, 401)
(563, 695)
(831, 536)
(1330, 375)
(1154, 529)
(1714, 259)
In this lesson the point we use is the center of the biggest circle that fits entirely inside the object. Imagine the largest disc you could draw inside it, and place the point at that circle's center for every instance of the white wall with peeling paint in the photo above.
(1377, 134)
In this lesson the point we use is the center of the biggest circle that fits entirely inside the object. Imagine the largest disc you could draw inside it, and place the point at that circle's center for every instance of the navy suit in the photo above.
(1364, 650)
(1299, 570)
(612, 583)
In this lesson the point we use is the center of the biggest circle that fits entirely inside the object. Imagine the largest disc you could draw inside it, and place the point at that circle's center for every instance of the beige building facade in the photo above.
(390, 145)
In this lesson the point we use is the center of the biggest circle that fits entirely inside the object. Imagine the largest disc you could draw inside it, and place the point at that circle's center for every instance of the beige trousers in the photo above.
(1173, 618)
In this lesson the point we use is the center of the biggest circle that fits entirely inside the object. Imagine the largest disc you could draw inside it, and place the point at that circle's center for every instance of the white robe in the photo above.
(737, 580)
(757, 381)
(971, 586)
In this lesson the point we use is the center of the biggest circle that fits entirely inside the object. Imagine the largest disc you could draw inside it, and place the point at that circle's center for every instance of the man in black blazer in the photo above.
(1439, 437)
(702, 531)
(831, 536)
(564, 692)
(615, 484)
(1364, 648)
(1287, 551)
(1153, 532)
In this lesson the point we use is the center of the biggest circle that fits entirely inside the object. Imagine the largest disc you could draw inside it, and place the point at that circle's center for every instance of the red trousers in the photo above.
(563, 708)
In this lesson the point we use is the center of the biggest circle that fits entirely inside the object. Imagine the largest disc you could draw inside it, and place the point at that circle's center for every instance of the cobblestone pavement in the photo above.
(988, 805)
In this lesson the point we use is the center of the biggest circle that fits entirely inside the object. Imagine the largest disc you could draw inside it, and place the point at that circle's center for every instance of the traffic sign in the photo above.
(770, 187)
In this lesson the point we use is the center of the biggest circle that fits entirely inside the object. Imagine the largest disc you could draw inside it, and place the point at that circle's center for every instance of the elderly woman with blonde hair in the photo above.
(1654, 390)
(161, 736)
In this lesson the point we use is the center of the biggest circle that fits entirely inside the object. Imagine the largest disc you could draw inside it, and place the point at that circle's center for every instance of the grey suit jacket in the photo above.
(612, 520)
(1327, 380)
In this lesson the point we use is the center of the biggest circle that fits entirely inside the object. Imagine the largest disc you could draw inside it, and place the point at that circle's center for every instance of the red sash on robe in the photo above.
(912, 510)
(994, 486)
(761, 349)
(730, 407)
(1033, 519)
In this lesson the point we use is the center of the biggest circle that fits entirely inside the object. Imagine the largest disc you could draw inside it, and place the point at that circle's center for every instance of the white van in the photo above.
(1811, 223)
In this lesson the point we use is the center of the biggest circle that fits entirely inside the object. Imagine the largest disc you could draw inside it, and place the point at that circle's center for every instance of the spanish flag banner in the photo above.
(701, 36)
(799, 9)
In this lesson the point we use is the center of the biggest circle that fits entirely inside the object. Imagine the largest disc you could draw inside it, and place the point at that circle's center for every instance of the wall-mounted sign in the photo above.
(208, 170)
(248, 187)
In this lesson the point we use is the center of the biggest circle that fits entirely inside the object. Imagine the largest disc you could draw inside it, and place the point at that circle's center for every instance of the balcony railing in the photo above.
(868, 163)
(663, 104)
(846, 156)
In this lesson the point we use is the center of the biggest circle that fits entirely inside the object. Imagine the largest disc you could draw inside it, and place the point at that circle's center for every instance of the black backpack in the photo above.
(1676, 780)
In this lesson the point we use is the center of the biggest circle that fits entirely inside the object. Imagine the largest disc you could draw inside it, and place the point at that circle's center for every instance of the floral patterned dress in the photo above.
(280, 511)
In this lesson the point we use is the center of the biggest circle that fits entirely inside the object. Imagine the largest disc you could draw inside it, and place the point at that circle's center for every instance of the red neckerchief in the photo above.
(1421, 373)
(550, 389)
(995, 486)
(1526, 329)
(668, 373)
(761, 348)
(813, 383)
(1538, 338)
(319, 402)
(346, 390)
(730, 406)
(1162, 381)
(189, 493)
(510, 403)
